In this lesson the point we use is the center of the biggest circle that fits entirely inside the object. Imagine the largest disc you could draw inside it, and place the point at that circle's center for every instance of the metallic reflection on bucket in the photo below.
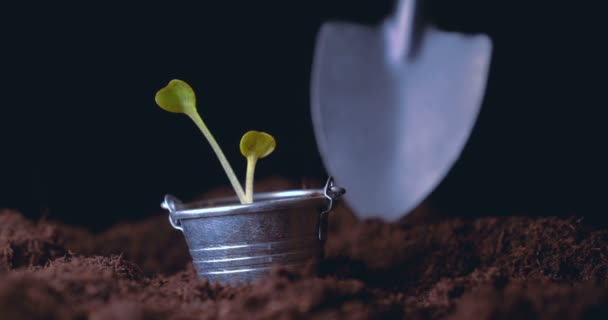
(231, 242)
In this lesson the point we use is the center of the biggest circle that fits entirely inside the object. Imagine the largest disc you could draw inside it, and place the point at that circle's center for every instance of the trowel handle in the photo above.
(399, 28)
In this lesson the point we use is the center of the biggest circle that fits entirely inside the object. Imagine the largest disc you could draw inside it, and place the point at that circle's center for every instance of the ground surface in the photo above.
(427, 266)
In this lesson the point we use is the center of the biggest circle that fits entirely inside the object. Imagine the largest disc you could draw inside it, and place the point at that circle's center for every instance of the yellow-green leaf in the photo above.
(177, 97)
(257, 144)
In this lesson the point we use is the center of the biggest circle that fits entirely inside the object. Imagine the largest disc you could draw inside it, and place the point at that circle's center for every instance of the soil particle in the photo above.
(24, 243)
(537, 300)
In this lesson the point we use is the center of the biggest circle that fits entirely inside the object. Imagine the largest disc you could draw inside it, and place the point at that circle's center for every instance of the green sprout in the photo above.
(178, 97)
(255, 145)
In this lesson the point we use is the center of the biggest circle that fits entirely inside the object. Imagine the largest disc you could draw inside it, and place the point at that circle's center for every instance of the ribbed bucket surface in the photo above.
(230, 242)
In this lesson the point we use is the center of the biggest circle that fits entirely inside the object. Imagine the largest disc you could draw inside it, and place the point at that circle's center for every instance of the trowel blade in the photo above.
(389, 132)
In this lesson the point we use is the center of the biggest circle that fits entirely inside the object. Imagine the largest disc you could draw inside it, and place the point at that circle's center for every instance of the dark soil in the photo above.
(427, 266)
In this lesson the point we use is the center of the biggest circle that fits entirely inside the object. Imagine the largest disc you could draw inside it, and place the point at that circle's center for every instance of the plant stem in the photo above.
(236, 185)
(251, 161)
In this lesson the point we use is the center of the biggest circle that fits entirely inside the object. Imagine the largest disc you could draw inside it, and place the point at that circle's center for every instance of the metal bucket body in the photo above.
(231, 243)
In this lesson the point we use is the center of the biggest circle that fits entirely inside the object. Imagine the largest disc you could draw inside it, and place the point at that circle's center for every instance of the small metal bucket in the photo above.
(231, 242)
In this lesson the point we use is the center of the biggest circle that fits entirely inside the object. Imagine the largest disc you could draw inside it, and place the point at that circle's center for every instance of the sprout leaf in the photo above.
(259, 144)
(255, 145)
(177, 97)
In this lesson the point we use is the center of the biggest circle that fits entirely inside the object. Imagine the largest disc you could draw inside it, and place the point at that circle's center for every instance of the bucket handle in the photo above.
(169, 204)
(332, 193)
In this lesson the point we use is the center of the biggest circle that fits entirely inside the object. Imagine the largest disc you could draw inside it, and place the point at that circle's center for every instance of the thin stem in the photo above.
(251, 161)
(220, 155)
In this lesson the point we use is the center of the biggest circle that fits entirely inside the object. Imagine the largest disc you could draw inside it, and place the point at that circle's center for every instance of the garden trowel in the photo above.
(393, 106)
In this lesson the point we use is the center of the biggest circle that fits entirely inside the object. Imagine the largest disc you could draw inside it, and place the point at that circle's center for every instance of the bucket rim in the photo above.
(263, 202)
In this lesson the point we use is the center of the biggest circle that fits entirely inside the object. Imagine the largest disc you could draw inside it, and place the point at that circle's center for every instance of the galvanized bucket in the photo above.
(231, 242)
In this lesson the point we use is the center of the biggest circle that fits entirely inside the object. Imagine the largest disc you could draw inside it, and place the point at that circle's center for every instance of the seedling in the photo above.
(178, 97)
(255, 145)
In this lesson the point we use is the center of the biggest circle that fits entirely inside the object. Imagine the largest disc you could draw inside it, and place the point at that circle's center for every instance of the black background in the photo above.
(83, 142)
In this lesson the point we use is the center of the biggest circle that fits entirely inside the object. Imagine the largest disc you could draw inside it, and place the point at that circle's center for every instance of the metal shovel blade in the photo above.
(393, 106)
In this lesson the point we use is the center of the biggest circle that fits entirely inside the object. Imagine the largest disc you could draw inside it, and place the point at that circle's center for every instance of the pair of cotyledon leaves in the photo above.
(178, 97)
